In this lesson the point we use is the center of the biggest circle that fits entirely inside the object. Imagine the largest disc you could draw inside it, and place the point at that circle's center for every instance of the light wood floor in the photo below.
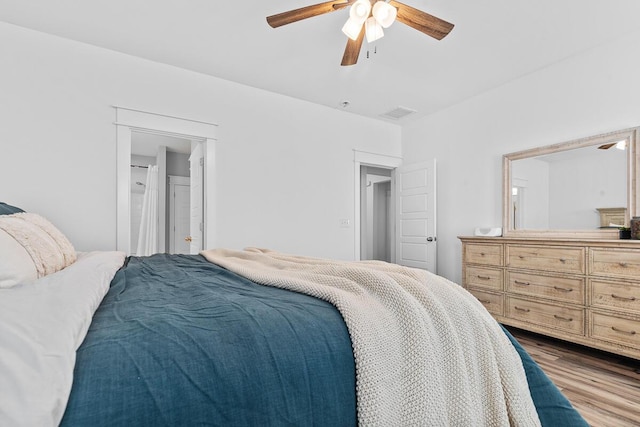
(603, 387)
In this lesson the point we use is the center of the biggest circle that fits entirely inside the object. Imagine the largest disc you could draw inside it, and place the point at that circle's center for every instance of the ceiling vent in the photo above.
(399, 113)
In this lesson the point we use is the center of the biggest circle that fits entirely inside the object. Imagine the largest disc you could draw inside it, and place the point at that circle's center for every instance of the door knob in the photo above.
(431, 239)
(188, 239)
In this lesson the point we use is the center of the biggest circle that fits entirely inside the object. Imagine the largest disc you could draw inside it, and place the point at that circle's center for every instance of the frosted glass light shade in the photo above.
(373, 30)
(360, 10)
(352, 28)
(384, 13)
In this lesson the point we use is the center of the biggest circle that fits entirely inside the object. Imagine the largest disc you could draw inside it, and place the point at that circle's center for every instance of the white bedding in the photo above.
(42, 324)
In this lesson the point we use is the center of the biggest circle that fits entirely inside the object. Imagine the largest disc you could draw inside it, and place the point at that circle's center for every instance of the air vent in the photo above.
(398, 113)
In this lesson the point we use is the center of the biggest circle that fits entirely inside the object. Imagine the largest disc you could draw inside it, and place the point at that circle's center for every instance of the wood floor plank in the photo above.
(603, 387)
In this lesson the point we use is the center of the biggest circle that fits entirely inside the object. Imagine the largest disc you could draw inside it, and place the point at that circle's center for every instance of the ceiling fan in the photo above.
(367, 17)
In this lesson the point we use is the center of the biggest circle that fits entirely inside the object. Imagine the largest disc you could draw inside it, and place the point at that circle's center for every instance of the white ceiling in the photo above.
(493, 42)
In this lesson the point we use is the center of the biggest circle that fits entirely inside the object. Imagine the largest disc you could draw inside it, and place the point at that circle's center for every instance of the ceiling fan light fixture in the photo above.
(384, 13)
(352, 28)
(360, 10)
(358, 13)
(373, 30)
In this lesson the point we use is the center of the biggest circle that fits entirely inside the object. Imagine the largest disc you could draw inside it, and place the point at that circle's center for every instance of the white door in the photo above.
(416, 242)
(196, 234)
(179, 214)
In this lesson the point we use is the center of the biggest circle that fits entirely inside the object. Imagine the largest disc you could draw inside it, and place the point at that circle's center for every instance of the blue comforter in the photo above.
(181, 341)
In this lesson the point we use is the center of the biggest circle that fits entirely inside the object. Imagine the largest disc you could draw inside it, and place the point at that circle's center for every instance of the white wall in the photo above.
(284, 166)
(591, 93)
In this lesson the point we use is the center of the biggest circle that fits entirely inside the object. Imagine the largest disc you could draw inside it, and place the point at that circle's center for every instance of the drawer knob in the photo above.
(483, 277)
(623, 298)
(557, 288)
(622, 264)
(562, 260)
(565, 319)
(518, 282)
(484, 301)
(526, 310)
(623, 331)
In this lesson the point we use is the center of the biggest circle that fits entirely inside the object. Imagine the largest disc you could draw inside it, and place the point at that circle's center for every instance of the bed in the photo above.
(181, 340)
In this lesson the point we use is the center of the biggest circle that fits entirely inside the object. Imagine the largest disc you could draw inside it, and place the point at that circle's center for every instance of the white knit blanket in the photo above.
(426, 351)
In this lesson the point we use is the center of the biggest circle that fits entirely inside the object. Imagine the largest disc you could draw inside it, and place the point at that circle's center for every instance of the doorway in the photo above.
(412, 213)
(179, 214)
(154, 159)
(201, 137)
(376, 219)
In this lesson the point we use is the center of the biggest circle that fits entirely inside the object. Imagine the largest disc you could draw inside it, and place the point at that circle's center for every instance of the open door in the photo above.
(416, 240)
(196, 224)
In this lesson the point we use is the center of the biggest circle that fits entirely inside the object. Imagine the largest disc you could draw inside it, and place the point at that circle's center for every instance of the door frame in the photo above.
(365, 158)
(128, 120)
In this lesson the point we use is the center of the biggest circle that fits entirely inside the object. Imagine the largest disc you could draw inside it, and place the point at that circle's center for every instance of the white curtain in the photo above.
(148, 234)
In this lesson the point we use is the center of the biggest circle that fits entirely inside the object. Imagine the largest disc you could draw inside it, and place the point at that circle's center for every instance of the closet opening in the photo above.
(376, 214)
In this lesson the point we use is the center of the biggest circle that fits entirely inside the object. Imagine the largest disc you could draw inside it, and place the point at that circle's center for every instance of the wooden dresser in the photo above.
(583, 291)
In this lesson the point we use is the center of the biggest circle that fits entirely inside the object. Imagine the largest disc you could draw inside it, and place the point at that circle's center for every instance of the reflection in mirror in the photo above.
(581, 187)
(564, 190)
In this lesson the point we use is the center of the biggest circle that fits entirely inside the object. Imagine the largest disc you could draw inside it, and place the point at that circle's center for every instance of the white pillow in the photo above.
(16, 265)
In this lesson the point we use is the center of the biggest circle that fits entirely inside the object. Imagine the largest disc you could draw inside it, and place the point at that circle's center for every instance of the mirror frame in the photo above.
(633, 184)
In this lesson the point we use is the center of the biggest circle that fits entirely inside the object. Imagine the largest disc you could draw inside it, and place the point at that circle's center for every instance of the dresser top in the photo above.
(550, 241)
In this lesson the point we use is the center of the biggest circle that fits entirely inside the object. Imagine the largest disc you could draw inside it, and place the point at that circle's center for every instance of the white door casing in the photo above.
(196, 215)
(128, 120)
(363, 158)
(416, 240)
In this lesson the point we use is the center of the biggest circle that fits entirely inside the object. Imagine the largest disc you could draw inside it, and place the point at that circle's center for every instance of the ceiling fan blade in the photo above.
(352, 51)
(607, 146)
(295, 15)
(422, 21)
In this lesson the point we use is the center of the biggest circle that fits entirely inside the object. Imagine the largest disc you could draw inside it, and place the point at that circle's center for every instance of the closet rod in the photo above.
(141, 167)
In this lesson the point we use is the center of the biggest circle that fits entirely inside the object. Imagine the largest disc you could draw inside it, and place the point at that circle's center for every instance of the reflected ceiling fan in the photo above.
(620, 145)
(367, 17)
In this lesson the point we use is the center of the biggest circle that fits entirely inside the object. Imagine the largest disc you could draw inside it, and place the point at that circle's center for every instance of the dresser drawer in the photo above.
(494, 303)
(489, 278)
(565, 318)
(486, 254)
(615, 262)
(615, 295)
(561, 259)
(615, 329)
(570, 289)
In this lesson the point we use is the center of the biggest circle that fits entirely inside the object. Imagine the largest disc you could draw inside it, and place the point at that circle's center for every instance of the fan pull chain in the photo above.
(375, 50)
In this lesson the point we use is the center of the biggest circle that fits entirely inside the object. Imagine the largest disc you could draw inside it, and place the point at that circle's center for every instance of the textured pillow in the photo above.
(16, 265)
(6, 209)
(66, 248)
(48, 249)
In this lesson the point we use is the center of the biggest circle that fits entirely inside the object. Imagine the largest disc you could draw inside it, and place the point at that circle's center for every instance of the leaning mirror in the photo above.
(582, 188)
